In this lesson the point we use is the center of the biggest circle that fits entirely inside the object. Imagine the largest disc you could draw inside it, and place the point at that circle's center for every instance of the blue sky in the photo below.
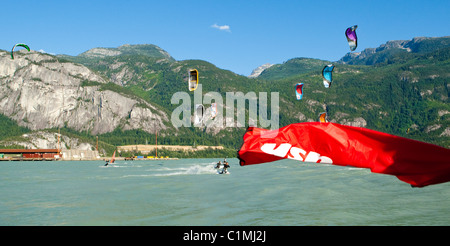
(233, 35)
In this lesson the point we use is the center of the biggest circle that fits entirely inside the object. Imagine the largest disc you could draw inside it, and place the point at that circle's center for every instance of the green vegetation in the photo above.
(10, 129)
(207, 153)
(401, 92)
(293, 66)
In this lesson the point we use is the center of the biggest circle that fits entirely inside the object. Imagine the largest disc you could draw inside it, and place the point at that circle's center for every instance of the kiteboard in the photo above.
(221, 172)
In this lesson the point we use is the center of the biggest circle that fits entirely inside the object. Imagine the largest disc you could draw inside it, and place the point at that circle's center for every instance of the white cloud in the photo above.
(222, 28)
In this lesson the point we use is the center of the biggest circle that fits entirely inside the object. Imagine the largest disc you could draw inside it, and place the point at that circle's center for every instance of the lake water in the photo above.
(190, 192)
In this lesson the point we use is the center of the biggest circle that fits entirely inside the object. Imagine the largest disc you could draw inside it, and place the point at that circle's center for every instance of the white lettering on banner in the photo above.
(297, 154)
(294, 153)
(281, 151)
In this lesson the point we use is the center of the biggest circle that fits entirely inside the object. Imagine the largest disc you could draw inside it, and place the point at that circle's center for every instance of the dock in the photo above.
(29, 154)
(66, 155)
(27, 159)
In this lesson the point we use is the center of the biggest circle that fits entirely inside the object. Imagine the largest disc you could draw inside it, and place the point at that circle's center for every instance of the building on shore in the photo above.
(79, 155)
(48, 155)
(29, 154)
(64, 155)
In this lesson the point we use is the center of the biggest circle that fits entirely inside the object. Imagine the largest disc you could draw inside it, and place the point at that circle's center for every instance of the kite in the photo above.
(20, 45)
(299, 91)
(193, 79)
(198, 114)
(352, 40)
(327, 75)
(213, 110)
(414, 162)
(323, 117)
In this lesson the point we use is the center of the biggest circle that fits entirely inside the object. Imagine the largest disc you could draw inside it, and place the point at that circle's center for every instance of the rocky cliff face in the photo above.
(48, 140)
(257, 71)
(126, 49)
(40, 91)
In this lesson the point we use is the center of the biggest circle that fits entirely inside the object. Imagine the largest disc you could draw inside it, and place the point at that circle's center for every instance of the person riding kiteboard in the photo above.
(225, 166)
(218, 165)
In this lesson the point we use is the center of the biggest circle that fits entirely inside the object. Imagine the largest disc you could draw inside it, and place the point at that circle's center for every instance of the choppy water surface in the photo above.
(190, 192)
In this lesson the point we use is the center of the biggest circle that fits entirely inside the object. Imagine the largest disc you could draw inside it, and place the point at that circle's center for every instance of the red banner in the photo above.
(414, 162)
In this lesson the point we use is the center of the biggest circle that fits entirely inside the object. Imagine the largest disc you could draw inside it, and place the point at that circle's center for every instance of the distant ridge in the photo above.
(392, 50)
(292, 67)
(148, 50)
(257, 71)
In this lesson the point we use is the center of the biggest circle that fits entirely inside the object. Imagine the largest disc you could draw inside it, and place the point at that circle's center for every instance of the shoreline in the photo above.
(141, 153)
(147, 148)
(84, 159)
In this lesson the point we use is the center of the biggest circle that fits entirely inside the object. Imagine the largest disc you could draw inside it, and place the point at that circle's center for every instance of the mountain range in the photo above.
(123, 95)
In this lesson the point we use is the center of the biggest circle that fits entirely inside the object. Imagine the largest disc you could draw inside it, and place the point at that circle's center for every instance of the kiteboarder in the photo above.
(218, 165)
(225, 166)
